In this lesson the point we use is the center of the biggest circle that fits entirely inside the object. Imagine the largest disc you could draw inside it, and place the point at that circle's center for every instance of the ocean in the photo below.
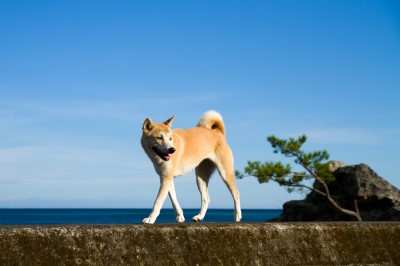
(123, 216)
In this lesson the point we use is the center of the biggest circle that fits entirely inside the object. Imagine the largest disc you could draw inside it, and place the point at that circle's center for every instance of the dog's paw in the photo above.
(147, 221)
(180, 219)
(238, 217)
(197, 218)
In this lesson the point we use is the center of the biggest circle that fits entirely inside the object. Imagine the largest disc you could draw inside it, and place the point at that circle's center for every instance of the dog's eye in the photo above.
(170, 139)
(160, 138)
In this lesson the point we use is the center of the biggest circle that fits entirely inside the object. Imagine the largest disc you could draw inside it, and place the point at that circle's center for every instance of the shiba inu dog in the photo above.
(175, 152)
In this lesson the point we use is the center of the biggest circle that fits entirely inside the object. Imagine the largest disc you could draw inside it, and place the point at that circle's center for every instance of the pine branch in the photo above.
(328, 196)
(301, 185)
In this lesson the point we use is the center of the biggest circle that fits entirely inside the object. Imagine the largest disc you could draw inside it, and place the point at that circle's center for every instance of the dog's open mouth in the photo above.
(162, 155)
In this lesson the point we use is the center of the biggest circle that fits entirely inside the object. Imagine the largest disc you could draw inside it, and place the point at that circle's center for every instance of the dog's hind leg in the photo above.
(177, 209)
(203, 174)
(225, 169)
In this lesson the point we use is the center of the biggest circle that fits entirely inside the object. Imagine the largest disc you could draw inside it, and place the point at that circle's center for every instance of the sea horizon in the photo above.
(37, 216)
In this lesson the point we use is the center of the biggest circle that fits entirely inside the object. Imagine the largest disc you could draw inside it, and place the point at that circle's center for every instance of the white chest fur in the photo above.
(162, 169)
(184, 169)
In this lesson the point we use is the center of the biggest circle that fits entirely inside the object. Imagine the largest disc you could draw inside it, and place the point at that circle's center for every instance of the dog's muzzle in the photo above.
(164, 156)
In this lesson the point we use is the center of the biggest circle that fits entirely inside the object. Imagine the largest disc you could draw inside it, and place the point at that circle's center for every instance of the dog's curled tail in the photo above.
(212, 120)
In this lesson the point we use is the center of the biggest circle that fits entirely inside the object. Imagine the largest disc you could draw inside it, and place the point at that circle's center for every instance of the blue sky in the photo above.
(78, 78)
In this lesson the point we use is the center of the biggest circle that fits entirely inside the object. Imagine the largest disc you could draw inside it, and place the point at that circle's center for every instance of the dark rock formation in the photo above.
(377, 199)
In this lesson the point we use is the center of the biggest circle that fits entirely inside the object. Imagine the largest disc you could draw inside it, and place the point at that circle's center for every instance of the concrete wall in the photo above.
(203, 244)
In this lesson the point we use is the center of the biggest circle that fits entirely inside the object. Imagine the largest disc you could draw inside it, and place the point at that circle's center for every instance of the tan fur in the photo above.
(203, 148)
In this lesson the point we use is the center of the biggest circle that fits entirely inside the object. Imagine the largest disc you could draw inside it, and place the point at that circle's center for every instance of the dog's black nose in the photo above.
(171, 150)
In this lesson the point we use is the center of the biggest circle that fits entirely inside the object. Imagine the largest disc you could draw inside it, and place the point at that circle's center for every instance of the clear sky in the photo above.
(78, 78)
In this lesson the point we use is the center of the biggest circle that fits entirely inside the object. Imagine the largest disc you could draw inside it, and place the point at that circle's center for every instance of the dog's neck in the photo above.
(162, 167)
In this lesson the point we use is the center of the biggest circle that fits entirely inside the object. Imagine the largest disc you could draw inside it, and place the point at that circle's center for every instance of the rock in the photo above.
(273, 244)
(377, 199)
(333, 165)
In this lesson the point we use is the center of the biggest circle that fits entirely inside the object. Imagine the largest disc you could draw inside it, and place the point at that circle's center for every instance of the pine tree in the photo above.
(315, 164)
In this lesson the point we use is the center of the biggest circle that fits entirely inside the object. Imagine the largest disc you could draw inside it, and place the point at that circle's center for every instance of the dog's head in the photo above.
(157, 138)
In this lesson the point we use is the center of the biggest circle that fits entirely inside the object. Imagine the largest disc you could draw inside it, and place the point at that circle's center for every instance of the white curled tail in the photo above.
(212, 120)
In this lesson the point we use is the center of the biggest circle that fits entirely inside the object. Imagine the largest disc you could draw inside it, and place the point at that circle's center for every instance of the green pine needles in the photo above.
(283, 174)
(315, 163)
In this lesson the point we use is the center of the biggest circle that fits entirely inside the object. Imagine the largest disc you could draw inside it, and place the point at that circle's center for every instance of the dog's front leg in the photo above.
(162, 194)
(177, 209)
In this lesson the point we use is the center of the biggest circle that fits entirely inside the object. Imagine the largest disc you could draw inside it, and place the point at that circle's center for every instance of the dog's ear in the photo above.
(169, 121)
(147, 125)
